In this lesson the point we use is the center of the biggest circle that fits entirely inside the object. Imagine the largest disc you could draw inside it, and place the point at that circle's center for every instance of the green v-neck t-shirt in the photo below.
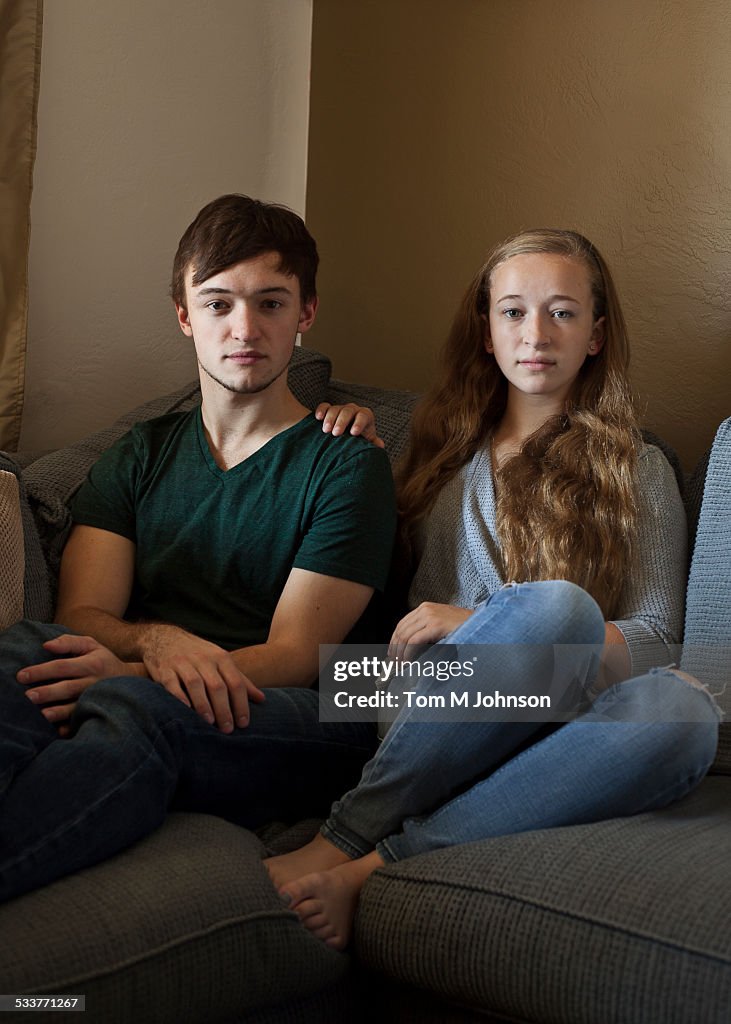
(214, 547)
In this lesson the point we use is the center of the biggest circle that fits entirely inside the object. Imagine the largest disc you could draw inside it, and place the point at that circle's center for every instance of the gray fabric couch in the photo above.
(622, 921)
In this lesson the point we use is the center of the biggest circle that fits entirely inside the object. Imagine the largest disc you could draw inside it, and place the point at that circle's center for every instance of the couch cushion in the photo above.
(620, 921)
(184, 926)
(309, 373)
(707, 641)
(12, 551)
(393, 409)
(24, 583)
(693, 496)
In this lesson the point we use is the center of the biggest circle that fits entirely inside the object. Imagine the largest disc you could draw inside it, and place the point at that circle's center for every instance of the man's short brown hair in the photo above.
(233, 228)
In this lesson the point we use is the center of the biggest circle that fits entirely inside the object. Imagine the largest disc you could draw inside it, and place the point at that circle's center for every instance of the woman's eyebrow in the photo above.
(551, 298)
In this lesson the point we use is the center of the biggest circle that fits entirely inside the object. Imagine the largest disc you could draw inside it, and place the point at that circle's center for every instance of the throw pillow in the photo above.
(37, 602)
(12, 551)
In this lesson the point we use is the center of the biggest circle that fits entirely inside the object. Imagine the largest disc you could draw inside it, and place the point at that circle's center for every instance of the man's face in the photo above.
(244, 322)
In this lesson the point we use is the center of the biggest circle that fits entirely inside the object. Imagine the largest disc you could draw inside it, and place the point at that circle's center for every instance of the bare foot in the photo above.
(326, 901)
(317, 855)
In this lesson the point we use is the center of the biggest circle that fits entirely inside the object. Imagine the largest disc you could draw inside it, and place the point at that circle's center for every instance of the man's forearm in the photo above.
(277, 664)
(268, 664)
(125, 639)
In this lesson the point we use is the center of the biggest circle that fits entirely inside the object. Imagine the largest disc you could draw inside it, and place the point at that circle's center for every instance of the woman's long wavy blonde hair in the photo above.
(566, 504)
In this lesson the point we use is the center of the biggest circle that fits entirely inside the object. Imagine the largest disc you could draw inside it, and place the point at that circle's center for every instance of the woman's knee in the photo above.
(668, 694)
(566, 612)
(683, 713)
(696, 714)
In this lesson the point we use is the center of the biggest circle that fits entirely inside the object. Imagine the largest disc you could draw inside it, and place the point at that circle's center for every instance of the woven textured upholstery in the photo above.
(392, 408)
(184, 926)
(693, 496)
(596, 924)
(21, 555)
(707, 643)
(12, 551)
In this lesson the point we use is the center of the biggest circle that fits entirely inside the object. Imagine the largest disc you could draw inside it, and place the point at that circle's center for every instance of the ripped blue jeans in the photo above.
(643, 743)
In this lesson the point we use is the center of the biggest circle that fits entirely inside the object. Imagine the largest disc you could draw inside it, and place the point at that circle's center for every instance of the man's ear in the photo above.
(307, 314)
(183, 319)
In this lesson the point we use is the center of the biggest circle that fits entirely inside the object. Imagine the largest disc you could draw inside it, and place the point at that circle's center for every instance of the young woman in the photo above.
(526, 464)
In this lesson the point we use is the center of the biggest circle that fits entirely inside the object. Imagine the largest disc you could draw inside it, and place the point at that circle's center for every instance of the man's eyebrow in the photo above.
(260, 291)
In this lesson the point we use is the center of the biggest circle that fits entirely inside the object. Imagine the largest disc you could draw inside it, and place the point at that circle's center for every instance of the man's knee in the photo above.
(21, 645)
(127, 697)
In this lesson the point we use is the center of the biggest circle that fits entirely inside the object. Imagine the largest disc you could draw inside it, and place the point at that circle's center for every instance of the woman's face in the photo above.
(541, 324)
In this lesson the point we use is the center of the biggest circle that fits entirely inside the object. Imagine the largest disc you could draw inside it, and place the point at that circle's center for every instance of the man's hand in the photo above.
(200, 674)
(84, 662)
(426, 624)
(336, 419)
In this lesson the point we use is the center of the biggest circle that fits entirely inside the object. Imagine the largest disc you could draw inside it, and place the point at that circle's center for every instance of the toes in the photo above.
(301, 889)
(316, 922)
(290, 894)
(325, 932)
(324, 903)
(308, 909)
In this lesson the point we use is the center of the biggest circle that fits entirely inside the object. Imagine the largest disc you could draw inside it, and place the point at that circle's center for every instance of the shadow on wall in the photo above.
(435, 131)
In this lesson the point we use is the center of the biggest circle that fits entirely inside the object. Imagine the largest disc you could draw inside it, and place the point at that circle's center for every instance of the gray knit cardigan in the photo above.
(459, 564)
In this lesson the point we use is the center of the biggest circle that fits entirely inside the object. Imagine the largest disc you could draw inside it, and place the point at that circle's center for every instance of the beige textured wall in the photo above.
(437, 129)
(147, 110)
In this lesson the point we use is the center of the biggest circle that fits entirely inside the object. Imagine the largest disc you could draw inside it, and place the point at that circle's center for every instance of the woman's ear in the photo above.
(597, 336)
(486, 334)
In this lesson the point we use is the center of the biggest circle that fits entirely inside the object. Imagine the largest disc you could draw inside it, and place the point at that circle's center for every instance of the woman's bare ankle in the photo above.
(317, 855)
(330, 854)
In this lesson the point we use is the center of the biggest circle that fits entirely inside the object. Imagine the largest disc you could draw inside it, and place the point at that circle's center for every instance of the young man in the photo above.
(212, 553)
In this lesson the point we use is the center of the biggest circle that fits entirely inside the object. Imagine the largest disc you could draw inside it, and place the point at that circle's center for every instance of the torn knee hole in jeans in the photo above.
(691, 680)
(696, 684)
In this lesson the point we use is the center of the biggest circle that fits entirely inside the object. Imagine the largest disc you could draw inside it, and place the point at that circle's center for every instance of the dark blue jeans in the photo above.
(136, 753)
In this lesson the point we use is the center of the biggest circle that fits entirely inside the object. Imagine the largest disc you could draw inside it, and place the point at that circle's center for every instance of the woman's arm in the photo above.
(651, 607)
(426, 624)
(616, 662)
